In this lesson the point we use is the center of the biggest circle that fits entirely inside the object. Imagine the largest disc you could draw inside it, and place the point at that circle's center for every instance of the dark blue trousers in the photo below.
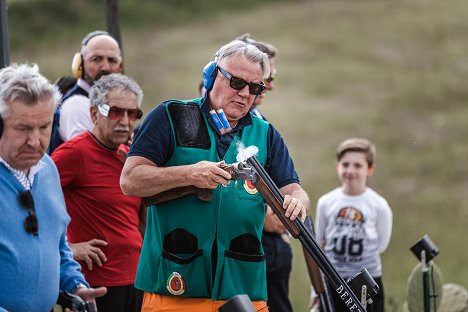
(278, 255)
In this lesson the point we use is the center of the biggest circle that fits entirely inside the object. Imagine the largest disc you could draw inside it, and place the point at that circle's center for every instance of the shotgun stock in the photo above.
(178, 192)
(237, 172)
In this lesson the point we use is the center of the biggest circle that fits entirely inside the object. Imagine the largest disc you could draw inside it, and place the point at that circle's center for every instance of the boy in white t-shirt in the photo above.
(353, 222)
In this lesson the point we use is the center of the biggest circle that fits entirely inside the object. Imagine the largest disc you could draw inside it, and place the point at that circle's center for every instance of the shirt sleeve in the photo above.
(279, 165)
(320, 223)
(384, 225)
(70, 270)
(75, 117)
(154, 139)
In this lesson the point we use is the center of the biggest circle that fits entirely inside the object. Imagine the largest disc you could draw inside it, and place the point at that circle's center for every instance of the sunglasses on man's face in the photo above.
(238, 83)
(31, 224)
(115, 112)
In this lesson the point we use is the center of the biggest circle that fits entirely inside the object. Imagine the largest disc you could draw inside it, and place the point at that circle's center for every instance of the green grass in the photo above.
(392, 71)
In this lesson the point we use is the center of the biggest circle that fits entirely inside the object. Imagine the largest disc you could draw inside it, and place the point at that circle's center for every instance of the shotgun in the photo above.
(237, 171)
(252, 170)
(273, 197)
(316, 276)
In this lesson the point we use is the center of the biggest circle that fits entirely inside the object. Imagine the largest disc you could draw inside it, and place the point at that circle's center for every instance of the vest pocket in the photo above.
(182, 269)
(246, 190)
(244, 269)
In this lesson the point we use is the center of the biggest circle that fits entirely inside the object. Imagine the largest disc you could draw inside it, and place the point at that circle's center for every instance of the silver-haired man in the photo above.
(35, 259)
(198, 254)
(104, 230)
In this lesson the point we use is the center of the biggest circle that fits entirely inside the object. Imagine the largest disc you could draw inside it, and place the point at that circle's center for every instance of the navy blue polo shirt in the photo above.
(154, 141)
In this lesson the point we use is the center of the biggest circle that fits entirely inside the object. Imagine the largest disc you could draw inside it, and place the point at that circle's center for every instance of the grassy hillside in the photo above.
(392, 71)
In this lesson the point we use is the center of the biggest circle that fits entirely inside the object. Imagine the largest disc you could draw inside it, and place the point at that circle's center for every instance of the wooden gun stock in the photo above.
(179, 192)
(176, 193)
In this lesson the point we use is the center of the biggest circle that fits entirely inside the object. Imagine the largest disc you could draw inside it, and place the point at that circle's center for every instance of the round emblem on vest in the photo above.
(175, 284)
(249, 187)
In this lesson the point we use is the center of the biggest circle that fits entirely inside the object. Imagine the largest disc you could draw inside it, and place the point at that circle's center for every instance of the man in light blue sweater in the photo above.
(35, 259)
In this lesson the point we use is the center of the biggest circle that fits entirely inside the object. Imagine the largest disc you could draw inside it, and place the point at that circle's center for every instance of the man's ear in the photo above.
(121, 66)
(94, 114)
(370, 170)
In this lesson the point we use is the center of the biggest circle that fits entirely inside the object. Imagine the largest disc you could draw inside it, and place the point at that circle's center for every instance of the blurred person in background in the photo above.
(105, 225)
(99, 55)
(65, 83)
(275, 239)
(353, 222)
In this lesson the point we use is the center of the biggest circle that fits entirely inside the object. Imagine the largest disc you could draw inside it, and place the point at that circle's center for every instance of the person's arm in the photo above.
(272, 223)
(280, 167)
(141, 177)
(296, 202)
(71, 278)
(384, 226)
(68, 165)
(89, 252)
(320, 223)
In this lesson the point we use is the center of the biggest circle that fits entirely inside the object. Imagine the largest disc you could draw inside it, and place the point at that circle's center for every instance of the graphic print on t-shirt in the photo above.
(348, 242)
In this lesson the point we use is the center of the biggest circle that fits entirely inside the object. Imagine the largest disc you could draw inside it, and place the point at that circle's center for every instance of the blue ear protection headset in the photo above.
(210, 72)
(209, 75)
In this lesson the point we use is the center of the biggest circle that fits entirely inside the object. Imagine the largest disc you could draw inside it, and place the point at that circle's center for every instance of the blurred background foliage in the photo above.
(391, 71)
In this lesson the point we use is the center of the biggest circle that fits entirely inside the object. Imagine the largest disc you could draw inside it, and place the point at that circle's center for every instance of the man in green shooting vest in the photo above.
(198, 254)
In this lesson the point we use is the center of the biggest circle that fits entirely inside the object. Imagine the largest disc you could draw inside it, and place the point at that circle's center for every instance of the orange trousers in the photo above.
(158, 303)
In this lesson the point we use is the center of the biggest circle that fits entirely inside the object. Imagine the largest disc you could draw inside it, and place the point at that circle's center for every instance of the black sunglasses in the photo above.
(238, 83)
(30, 223)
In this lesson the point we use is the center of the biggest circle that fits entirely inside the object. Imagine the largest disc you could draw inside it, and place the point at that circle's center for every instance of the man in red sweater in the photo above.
(104, 231)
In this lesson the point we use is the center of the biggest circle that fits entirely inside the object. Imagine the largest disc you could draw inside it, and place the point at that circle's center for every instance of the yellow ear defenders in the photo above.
(77, 62)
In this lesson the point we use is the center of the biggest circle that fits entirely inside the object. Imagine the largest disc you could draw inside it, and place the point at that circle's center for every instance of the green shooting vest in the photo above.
(203, 249)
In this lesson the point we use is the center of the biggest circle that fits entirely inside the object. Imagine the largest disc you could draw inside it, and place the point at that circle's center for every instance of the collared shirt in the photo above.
(153, 142)
(26, 181)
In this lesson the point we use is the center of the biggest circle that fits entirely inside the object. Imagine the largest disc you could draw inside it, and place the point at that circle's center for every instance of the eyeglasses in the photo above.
(30, 223)
(115, 112)
(238, 83)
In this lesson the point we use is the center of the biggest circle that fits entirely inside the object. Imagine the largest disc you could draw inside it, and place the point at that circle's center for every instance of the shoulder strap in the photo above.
(55, 139)
(76, 90)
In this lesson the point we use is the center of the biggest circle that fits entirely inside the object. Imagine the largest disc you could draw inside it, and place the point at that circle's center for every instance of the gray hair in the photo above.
(268, 48)
(249, 51)
(102, 87)
(24, 83)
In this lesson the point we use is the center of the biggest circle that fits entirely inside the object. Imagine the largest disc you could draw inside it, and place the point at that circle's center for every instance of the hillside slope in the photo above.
(392, 71)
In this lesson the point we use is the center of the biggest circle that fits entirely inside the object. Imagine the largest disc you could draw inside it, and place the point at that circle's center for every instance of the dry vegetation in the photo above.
(392, 71)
